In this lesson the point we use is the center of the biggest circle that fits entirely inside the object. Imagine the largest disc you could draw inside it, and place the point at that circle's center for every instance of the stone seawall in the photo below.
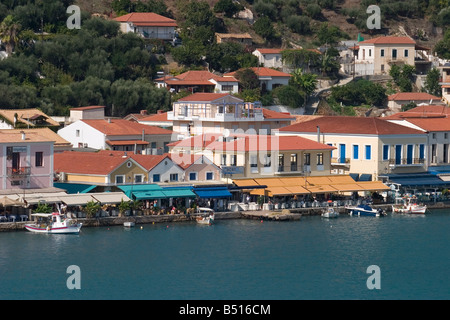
(117, 221)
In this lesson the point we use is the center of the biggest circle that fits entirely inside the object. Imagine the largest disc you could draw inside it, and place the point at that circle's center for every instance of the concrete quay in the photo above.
(275, 215)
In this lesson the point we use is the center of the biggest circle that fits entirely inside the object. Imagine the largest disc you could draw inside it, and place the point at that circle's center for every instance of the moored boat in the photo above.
(330, 212)
(365, 210)
(408, 205)
(205, 216)
(54, 223)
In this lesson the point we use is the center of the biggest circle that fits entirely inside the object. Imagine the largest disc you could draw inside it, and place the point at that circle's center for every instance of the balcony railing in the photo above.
(18, 172)
(340, 160)
(289, 169)
(406, 161)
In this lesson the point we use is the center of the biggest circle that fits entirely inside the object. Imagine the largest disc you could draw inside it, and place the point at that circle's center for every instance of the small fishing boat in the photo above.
(54, 223)
(365, 210)
(205, 216)
(330, 212)
(408, 205)
(128, 224)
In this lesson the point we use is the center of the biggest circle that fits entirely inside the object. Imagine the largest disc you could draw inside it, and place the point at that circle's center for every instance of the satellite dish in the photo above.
(226, 133)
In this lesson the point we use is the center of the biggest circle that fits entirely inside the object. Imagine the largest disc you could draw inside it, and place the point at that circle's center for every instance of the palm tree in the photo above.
(9, 30)
(305, 82)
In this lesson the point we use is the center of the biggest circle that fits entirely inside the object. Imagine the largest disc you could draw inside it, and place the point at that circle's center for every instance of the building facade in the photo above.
(203, 113)
(26, 160)
(368, 147)
(148, 25)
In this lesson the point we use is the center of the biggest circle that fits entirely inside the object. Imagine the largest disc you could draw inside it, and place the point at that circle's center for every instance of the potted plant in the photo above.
(123, 207)
(91, 208)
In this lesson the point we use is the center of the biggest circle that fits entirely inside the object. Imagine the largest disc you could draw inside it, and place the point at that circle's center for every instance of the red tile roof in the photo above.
(102, 162)
(119, 127)
(88, 108)
(203, 96)
(159, 117)
(413, 96)
(87, 162)
(245, 143)
(350, 125)
(147, 19)
(431, 124)
(423, 111)
(264, 72)
(269, 50)
(195, 77)
(389, 40)
(270, 114)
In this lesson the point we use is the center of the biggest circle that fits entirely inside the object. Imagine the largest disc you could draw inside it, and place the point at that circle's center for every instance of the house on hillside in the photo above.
(244, 38)
(148, 25)
(87, 113)
(268, 78)
(25, 118)
(376, 56)
(117, 134)
(366, 147)
(198, 81)
(269, 57)
(202, 113)
(397, 100)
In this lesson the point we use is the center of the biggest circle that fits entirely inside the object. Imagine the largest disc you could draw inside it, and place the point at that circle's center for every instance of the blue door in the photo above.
(409, 154)
(342, 153)
(398, 154)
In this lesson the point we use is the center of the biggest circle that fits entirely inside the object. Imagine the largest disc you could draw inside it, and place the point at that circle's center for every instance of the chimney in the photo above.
(143, 112)
(109, 120)
(23, 135)
(159, 111)
(318, 134)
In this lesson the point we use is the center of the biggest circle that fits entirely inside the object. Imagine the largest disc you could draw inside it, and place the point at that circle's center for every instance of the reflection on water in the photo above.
(313, 258)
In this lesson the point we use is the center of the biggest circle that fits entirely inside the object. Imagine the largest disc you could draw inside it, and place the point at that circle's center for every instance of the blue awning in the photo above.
(72, 188)
(417, 180)
(215, 193)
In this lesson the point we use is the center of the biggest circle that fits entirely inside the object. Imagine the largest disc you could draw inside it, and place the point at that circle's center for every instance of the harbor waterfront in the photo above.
(314, 258)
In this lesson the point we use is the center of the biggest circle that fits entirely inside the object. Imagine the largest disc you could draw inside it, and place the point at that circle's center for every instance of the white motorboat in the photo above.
(408, 205)
(128, 224)
(205, 216)
(54, 223)
(365, 210)
(330, 212)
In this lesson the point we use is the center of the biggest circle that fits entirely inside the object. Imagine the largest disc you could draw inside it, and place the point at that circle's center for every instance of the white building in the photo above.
(148, 25)
(117, 134)
(270, 58)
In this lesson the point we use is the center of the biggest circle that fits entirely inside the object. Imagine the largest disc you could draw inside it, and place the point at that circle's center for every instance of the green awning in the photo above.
(73, 188)
(139, 188)
(179, 193)
(149, 195)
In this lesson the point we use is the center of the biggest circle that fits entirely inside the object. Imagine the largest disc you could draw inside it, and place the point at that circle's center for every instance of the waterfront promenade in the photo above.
(170, 218)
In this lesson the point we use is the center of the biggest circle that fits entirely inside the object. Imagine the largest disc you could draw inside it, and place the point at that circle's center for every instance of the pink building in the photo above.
(26, 160)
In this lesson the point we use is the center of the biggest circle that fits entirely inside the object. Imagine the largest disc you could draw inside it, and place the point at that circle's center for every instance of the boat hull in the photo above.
(418, 210)
(205, 221)
(74, 229)
(365, 212)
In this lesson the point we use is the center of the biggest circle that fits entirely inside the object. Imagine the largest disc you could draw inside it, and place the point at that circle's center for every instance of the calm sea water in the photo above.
(313, 258)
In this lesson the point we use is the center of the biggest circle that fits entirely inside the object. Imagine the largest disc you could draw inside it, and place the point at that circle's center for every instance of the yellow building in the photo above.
(368, 147)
